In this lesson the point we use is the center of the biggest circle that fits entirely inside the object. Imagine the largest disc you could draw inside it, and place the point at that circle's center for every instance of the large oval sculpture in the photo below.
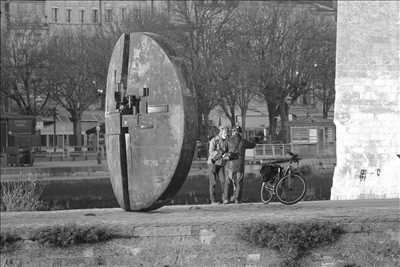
(150, 121)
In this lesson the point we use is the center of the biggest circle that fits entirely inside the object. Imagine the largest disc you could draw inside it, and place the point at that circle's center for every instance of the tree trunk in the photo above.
(233, 121)
(233, 117)
(284, 133)
(324, 110)
(230, 114)
(243, 113)
(76, 122)
(271, 119)
(324, 105)
(203, 133)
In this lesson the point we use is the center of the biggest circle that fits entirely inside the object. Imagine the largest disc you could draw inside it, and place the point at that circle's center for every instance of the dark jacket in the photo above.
(218, 147)
(238, 145)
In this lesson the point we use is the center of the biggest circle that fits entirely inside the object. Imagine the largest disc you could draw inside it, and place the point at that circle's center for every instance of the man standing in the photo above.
(235, 166)
(218, 147)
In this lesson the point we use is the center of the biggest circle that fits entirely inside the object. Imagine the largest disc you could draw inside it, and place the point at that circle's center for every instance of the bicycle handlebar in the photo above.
(294, 158)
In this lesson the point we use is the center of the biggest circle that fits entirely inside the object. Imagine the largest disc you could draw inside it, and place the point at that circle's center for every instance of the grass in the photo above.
(21, 196)
(291, 240)
(7, 240)
(60, 235)
(71, 234)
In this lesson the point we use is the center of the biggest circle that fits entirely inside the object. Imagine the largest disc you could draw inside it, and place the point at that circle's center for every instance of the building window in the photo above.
(108, 17)
(82, 16)
(43, 140)
(19, 35)
(68, 15)
(330, 132)
(300, 135)
(95, 16)
(136, 13)
(169, 7)
(123, 13)
(55, 14)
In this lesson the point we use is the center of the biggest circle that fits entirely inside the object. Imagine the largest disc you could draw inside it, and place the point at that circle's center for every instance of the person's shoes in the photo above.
(226, 202)
(237, 201)
(215, 203)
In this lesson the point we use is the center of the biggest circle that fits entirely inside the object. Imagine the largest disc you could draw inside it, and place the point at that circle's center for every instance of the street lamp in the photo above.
(100, 92)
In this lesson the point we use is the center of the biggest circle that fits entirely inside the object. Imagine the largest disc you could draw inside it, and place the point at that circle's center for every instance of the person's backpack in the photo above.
(269, 171)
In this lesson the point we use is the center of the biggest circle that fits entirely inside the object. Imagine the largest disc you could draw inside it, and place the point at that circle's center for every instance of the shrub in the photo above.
(291, 240)
(21, 196)
(305, 170)
(7, 239)
(71, 234)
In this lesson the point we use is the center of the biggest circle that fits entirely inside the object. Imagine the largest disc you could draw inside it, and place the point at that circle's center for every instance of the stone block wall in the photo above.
(367, 105)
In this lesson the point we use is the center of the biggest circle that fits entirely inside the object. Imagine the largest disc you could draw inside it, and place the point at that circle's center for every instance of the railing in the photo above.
(68, 153)
(271, 150)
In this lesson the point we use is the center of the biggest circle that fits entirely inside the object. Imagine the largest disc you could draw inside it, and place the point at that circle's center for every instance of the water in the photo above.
(97, 193)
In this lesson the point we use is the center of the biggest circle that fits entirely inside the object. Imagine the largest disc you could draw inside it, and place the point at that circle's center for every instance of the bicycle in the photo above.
(286, 184)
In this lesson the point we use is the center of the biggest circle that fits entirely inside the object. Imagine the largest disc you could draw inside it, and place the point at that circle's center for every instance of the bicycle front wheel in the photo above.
(290, 189)
(266, 193)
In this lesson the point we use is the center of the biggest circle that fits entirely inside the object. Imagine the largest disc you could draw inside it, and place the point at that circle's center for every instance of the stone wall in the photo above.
(367, 105)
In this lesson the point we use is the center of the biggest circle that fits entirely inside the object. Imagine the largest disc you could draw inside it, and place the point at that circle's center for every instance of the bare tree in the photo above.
(283, 43)
(237, 78)
(324, 66)
(75, 71)
(23, 62)
(202, 41)
(140, 20)
(260, 23)
(236, 88)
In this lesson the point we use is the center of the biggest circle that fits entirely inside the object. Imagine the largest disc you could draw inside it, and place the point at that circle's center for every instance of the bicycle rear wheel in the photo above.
(290, 189)
(266, 192)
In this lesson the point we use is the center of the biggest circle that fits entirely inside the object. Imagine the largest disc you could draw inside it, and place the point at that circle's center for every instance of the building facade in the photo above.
(367, 103)
(77, 15)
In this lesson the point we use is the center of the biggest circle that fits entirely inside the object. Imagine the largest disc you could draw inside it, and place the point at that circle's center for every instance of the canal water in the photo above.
(97, 193)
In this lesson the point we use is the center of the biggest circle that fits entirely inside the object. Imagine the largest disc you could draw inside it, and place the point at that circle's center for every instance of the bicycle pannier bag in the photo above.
(268, 171)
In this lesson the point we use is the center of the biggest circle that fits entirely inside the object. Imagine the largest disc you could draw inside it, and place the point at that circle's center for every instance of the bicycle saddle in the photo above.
(295, 157)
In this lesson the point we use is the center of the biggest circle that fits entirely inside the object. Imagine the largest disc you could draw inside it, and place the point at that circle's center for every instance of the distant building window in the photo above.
(43, 140)
(68, 15)
(55, 14)
(19, 35)
(330, 132)
(123, 13)
(108, 17)
(169, 7)
(82, 16)
(95, 16)
(300, 135)
(136, 12)
(313, 136)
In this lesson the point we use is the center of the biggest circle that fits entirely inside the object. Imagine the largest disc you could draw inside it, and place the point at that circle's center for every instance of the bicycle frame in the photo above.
(286, 173)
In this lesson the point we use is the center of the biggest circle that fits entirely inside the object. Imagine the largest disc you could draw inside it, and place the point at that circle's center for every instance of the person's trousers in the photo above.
(217, 173)
(237, 179)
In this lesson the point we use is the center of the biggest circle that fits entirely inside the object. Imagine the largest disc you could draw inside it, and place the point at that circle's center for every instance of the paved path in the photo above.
(357, 211)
